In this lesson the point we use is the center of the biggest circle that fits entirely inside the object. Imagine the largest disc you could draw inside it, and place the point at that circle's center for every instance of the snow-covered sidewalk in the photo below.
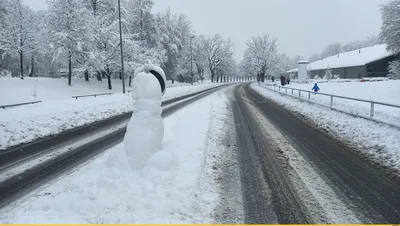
(100, 192)
(29, 122)
(376, 141)
(384, 91)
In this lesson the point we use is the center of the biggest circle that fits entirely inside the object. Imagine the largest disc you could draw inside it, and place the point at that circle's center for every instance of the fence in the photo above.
(20, 104)
(90, 95)
(284, 90)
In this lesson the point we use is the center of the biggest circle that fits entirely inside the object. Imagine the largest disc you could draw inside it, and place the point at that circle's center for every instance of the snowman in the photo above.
(145, 130)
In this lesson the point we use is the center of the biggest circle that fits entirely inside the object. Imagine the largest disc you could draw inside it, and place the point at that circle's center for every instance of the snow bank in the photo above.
(378, 142)
(384, 91)
(29, 122)
(95, 193)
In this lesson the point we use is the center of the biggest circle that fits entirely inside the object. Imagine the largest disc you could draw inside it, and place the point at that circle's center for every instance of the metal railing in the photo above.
(91, 95)
(20, 104)
(372, 103)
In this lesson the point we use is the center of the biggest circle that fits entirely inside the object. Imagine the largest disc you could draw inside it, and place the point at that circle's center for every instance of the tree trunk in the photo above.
(130, 81)
(120, 75)
(107, 72)
(69, 69)
(109, 82)
(87, 76)
(32, 67)
(172, 81)
(98, 75)
(21, 58)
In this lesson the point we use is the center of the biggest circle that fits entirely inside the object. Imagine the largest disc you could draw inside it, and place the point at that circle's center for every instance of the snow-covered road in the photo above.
(102, 192)
(27, 123)
(376, 141)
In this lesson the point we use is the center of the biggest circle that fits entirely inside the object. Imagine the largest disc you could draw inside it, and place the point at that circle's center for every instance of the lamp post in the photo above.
(191, 58)
(120, 43)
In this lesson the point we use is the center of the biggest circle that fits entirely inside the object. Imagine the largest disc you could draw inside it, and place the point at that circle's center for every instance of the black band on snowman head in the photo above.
(160, 79)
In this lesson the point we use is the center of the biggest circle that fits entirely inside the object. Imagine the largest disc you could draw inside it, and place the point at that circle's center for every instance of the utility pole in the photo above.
(122, 52)
(191, 58)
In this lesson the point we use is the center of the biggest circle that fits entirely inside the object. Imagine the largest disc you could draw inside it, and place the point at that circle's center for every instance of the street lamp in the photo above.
(120, 43)
(191, 58)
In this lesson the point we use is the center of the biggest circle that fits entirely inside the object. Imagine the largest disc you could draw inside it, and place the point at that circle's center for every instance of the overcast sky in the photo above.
(302, 27)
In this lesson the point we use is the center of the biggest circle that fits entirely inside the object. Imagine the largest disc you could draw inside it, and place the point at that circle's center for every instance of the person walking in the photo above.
(315, 88)
(282, 80)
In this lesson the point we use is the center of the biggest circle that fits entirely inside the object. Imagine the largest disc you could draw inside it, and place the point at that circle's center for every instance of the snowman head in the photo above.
(146, 86)
(156, 71)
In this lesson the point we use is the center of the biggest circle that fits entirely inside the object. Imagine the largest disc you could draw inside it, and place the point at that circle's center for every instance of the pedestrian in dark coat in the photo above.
(283, 80)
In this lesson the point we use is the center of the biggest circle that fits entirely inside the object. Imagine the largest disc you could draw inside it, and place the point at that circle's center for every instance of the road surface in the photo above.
(293, 173)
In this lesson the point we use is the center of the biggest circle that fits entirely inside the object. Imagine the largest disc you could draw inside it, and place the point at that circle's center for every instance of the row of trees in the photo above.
(81, 38)
(390, 32)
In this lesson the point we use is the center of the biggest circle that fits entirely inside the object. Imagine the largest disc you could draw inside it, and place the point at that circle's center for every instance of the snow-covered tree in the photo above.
(175, 32)
(314, 58)
(17, 30)
(218, 51)
(200, 54)
(328, 74)
(331, 50)
(262, 55)
(390, 32)
(69, 32)
(286, 63)
(368, 41)
(226, 69)
(394, 69)
(390, 29)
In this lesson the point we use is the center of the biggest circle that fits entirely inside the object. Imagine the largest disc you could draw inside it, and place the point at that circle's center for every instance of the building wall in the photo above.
(348, 72)
(379, 68)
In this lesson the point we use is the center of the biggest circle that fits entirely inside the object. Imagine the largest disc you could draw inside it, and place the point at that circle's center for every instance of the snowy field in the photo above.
(15, 90)
(376, 141)
(59, 112)
(103, 191)
(383, 91)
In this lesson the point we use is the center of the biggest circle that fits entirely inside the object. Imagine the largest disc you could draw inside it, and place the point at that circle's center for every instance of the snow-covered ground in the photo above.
(100, 192)
(15, 90)
(376, 141)
(383, 91)
(59, 111)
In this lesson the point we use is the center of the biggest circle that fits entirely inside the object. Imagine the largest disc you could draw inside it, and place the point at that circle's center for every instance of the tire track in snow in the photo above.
(329, 208)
